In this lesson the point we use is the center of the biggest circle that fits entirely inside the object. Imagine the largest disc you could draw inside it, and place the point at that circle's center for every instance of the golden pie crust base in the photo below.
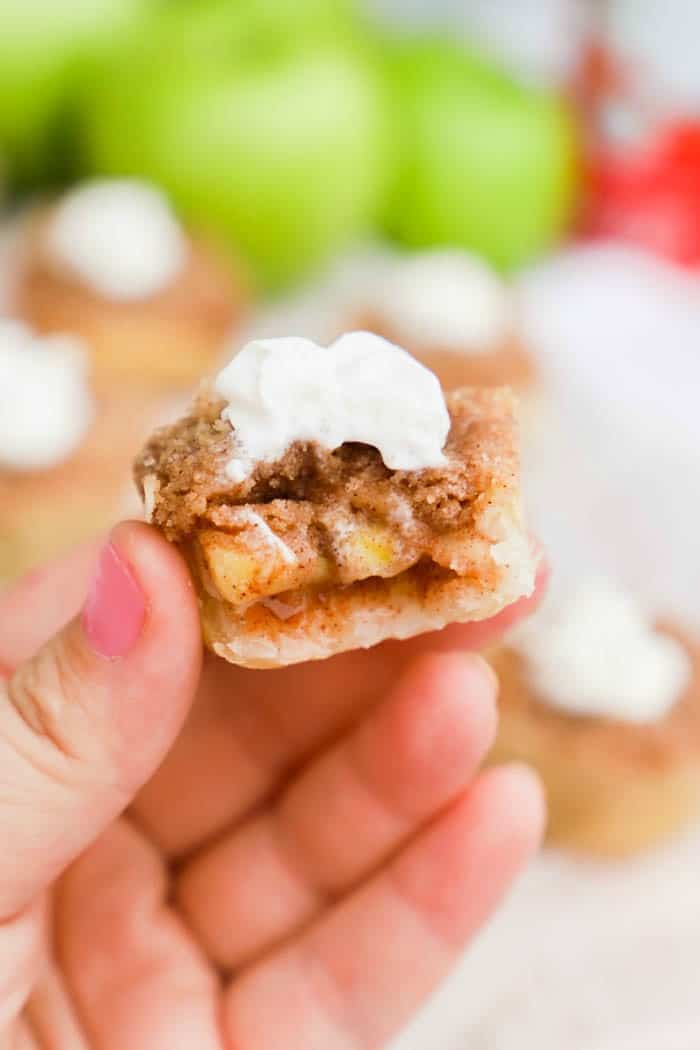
(324, 551)
(165, 342)
(613, 788)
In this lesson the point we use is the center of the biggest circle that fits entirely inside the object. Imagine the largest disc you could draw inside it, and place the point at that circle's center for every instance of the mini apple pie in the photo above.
(606, 706)
(111, 264)
(328, 498)
(448, 308)
(65, 452)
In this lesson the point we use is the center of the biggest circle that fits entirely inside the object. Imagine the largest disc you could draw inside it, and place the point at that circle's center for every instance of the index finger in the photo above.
(250, 728)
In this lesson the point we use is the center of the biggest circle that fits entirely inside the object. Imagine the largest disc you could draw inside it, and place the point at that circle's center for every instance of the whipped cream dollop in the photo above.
(596, 654)
(360, 388)
(45, 402)
(447, 299)
(119, 237)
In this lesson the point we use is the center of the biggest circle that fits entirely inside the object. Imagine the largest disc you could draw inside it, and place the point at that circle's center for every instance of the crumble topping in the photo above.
(193, 491)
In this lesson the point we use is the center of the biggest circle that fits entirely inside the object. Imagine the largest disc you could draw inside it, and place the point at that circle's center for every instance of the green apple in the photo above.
(196, 31)
(42, 45)
(267, 23)
(485, 163)
(274, 139)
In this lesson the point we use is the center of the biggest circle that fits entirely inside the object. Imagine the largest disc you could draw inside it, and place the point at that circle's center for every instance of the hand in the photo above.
(201, 856)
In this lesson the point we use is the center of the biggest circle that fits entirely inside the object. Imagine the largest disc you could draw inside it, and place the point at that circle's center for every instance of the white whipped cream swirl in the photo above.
(360, 388)
(443, 298)
(45, 402)
(596, 654)
(119, 237)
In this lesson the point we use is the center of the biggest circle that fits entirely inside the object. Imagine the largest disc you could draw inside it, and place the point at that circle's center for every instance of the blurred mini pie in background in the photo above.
(327, 498)
(111, 263)
(449, 309)
(65, 452)
(605, 704)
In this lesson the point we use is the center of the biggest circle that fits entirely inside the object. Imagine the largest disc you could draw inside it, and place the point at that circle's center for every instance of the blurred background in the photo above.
(511, 189)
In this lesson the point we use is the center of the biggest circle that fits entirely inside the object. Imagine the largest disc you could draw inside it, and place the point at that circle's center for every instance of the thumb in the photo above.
(87, 720)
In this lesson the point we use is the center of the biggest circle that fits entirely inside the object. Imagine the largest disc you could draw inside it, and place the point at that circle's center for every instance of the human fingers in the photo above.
(344, 814)
(249, 730)
(36, 606)
(355, 977)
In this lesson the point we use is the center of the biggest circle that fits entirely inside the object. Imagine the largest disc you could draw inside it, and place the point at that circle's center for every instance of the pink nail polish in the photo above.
(115, 609)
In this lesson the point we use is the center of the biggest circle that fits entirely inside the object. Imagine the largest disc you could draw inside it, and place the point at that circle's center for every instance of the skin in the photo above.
(198, 855)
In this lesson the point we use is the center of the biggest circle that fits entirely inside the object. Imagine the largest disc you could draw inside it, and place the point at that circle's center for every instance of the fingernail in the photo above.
(115, 609)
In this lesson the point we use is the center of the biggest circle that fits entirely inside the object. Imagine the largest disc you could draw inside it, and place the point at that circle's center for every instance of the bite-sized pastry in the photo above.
(65, 453)
(111, 262)
(449, 309)
(327, 498)
(605, 704)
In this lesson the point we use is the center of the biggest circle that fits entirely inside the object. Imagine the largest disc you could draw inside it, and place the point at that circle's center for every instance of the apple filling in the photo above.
(254, 562)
